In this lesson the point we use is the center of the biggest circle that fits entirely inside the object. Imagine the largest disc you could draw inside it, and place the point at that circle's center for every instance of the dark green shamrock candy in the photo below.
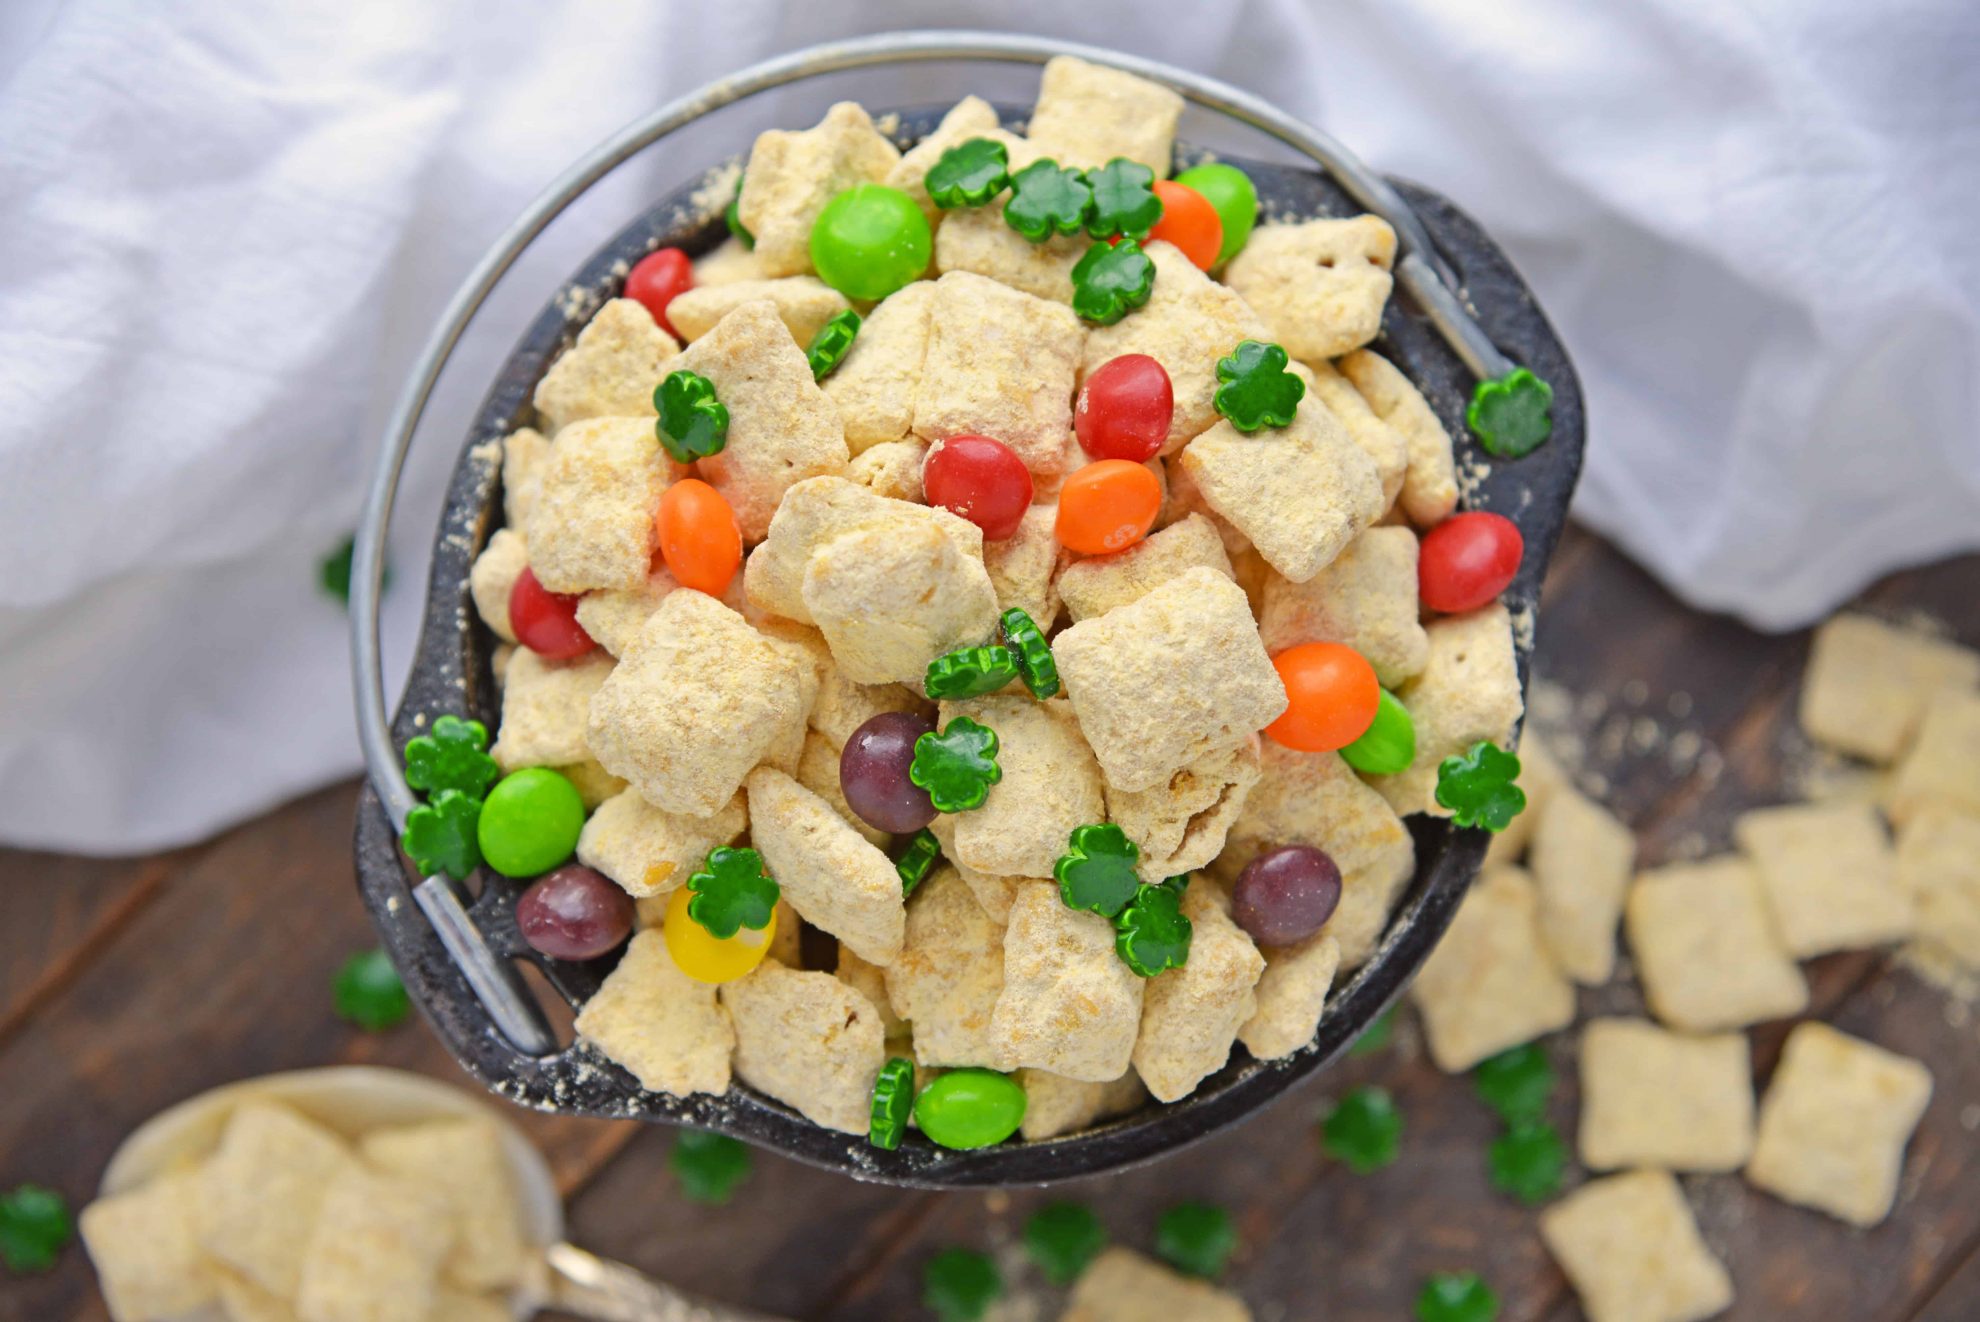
(1364, 1130)
(1111, 280)
(733, 217)
(971, 672)
(1477, 786)
(1124, 201)
(333, 573)
(1196, 1239)
(367, 992)
(709, 1166)
(1456, 1297)
(1097, 871)
(440, 835)
(1510, 414)
(693, 423)
(1047, 200)
(959, 1285)
(1528, 1162)
(1258, 390)
(969, 174)
(731, 891)
(1151, 935)
(830, 346)
(453, 756)
(917, 860)
(35, 1227)
(893, 1103)
(1062, 1238)
(958, 766)
(1034, 655)
(1516, 1083)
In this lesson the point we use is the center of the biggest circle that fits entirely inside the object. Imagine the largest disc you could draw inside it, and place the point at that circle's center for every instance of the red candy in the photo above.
(1467, 561)
(1124, 409)
(546, 622)
(982, 480)
(656, 279)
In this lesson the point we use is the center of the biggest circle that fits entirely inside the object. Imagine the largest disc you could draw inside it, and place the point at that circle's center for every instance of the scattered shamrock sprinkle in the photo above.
(1152, 934)
(829, 347)
(893, 1103)
(1364, 1129)
(734, 217)
(1516, 1083)
(1196, 1239)
(1376, 1036)
(333, 573)
(367, 992)
(917, 860)
(969, 174)
(1110, 280)
(1062, 1238)
(1097, 871)
(709, 1166)
(731, 891)
(1477, 786)
(1047, 200)
(34, 1228)
(958, 766)
(971, 672)
(693, 423)
(1124, 200)
(1034, 655)
(1510, 414)
(453, 756)
(1456, 1297)
(1257, 390)
(440, 835)
(959, 1285)
(1528, 1161)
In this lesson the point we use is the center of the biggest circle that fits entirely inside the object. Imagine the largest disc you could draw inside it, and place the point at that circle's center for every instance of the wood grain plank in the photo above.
(58, 909)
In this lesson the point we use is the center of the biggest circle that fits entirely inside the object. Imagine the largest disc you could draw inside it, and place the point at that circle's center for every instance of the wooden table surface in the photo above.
(127, 985)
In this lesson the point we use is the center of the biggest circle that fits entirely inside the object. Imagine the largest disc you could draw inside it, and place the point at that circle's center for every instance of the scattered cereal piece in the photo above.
(831, 876)
(1290, 995)
(663, 1026)
(727, 263)
(891, 599)
(844, 706)
(949, 974)
(891, 469)
(1938, 866)
(494, 576)
(1320, 285)
(1490, 984)
(1868, 683)
(870, 981)
(1582, 859)
(808, 1040)
(1430, 483)
(1650, 1097)
(614, 618)
(1124, 1286)
(375, 1253)
(803, 301)
(1707, 956)
(1000, 363)
(1098, 584)
(1378, 440)
(978, 240)
(241, 1300)
(1050, 785)
(813, 514)
(1468, 691)
(592, 525)
(1180, 824)
(792, 174)
(818, 771)
(1828, 873)
(1068, 1005)
(1191, 1015)
(650, 851)
(1365, 598)
(462, 1163)
(1055, 1105)
(875, 386)
(525, 451)
(1632, 1250)
(146, 1251)
(545, 706)
(1943, 764)
(1087, 114)
(1834, 1124)
(1022, 565)
(263, 1187)
(609, 372)
(1540, 778)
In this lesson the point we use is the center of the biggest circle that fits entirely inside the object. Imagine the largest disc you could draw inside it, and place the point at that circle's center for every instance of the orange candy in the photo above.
(1189, 222)
(699, 537)
(1108, 506)
(1331, 693)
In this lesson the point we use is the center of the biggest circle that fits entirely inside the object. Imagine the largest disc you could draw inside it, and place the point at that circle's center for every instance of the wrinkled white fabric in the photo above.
(225, 231)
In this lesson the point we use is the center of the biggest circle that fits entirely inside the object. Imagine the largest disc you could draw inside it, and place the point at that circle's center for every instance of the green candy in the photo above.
(1035, 664)
(1097, 871)
(440, 835)
(1152, 934)
(970, 1108)
(958, 766)
(893, 1103)
(959, 1285)
(1389, 744)
(709, 1166)
(692, 424)
(833, 341)
(917, 860)
(1364, 1129)
(530, 822)
(1196, 1239)
(1528, 1162)
(1479, 787)
(1230, 191)
(971, 672)
(1111, 280)
(1510, 414)
(1047, 199)
(869, 241)
(1062, 1238)
(733, 217)
(969, 174)
(35, 1226)
(367, 992)
(1456, 1297)
(1259, 388)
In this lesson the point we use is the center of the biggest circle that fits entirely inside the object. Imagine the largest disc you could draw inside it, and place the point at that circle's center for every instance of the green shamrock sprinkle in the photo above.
(1034, 655)
(693, 423)
(1151, 935)
(1111, 280)
(893, 1103)
(969, 174)
(1257, 390)
(1516, 1083)
(829, 347)
(958, 766)
(34, 1228)
(1196, 1239)
(1527, 1162)
(1097, 871)
(917, 860)
(454, 756)
(1062, 1238)
(971, 672)
(334, 573)
(1510, 414)
(731, 891)
(440, 835)
(733, 216)
(1456, 1297)
(1478, 787)
(1376, 1036)
(367, 992)
(1047, 200)
(1364, 1130)
(959, 1285)
(1124, 200)
(708, 1166)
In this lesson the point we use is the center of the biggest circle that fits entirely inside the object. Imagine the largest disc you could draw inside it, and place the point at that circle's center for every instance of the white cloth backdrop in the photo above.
(225, 229)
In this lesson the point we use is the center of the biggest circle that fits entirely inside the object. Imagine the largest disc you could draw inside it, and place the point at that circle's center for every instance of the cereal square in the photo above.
(699, 700)
(1867, 684)
(146, 1251)
(1669, 1101)
(376, 1252)
(615, 617)
(262, 1189)
(592, 524)
(1291, 993)
(1054, 1105)
(1707, 955)
(1540, 778)
(1320, 285)
(545, 706)
(609, 372)
(1022, 566)
(463, 1164)
(525, 452)
(782, 428)
(650, 851)
(979, 241)
(818, 771)
(1429, 490)
(834, 879)
(664, 1027)
(808, 1040)
(1468, 690)
(804, 302)
(728, 261)
(1180, 825)
(1491, 984)
(792, 174)
(1631, 1249)
(1938, 866)
(1000, 363)
(1124, 1286)
(1378, 440)
(593, 783)
(1191, 1015)
(844, 706)
(494, 576)
(875, 383)
(870, 981)
(1834, 1124)
(1582, 859)
(1190, 641)
(1050, 785)
(949, 974)
(1097, 584)
(1943, 764)
(1087, 114)
(816, 511)
(891, 468)
(993, 892)
(1069, 1004)
(1829, 875)
(1366, 598)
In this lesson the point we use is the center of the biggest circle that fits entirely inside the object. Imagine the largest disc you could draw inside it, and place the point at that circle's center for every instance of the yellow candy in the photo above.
(707, 958)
